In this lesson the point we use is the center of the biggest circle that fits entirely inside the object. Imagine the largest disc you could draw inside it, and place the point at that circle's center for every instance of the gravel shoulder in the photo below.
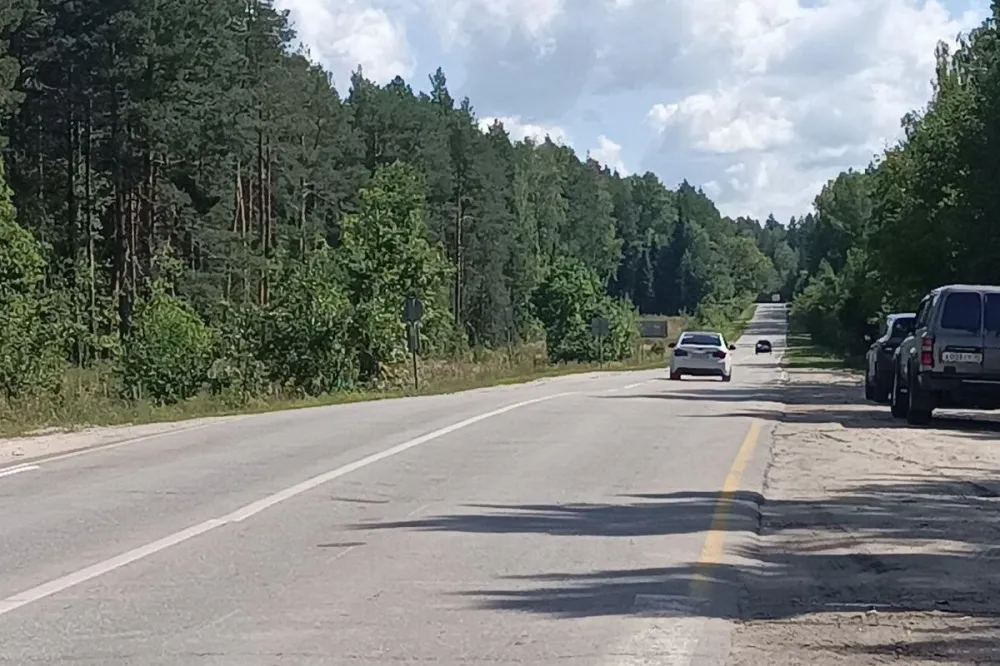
(878, 543)
(16, 450)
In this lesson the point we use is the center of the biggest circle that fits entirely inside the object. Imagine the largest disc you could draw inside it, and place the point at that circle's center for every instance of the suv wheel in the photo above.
(921, 404)
(898, 402)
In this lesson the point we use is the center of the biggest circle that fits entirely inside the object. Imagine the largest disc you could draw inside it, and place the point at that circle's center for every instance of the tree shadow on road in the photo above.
(818, 403)
(899, 544)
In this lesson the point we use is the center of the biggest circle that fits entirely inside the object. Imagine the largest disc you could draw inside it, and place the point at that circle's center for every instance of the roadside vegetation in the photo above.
(193, 220)
(925, 213)
(802, 353)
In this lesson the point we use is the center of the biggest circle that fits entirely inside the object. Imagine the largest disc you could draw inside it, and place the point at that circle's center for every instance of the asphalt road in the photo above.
(559, 521)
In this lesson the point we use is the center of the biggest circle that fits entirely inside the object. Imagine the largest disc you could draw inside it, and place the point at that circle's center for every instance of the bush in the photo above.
(168, 352)
(30, 343)
(305, 330)
(30, 360)
(237, 374)
(566, 303)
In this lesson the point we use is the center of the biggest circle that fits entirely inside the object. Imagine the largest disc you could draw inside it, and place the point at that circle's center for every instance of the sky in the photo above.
(759, 102)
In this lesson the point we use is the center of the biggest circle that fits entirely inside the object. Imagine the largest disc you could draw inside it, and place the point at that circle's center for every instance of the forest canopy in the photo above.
(193, 203)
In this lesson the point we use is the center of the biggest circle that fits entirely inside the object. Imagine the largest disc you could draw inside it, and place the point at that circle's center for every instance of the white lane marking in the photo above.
(629, 386)
(130, 440)
(10, 471)
(660, 641)
(632, 386)
(83, 575)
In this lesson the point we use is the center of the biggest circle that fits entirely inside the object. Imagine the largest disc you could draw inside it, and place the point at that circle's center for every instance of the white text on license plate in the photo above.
(961, 357)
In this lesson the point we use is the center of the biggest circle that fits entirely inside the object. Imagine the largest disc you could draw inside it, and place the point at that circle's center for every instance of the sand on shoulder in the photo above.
(879, 542)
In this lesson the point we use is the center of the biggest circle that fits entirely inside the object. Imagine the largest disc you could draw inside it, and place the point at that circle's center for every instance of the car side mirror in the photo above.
(672, 345)
(732, 347)
(868, 338)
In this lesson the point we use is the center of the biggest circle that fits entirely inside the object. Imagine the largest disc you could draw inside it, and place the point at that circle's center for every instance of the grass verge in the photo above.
(89, 398)
(803, 353)
(735, 329)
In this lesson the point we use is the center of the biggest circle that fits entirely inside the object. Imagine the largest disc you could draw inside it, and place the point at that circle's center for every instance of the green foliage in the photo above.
(306, 330)
(29, 355)
(22, 265)
(922, 215)
(167, 355)
(237, 373)
(250, 229)
(567, 300)
(29, 340)
(387, 258)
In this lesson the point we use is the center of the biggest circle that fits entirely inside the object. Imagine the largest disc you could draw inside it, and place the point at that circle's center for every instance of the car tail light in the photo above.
(927, 351)
(719, 354)
(680, 352)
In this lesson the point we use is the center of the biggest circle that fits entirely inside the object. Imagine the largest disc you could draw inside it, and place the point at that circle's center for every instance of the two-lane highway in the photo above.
(528, 524)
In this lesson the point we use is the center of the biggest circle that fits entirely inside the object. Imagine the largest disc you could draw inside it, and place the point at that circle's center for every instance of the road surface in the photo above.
(559, 521)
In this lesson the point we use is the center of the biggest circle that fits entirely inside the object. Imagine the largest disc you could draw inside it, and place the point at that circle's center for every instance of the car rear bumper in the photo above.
(703, 372)
(962, 390)
(700, 367)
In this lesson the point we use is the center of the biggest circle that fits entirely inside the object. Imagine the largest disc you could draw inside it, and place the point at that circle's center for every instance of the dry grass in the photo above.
(91, 397)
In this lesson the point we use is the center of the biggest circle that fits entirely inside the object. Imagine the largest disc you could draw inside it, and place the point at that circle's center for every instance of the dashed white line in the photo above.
(26, 597)
(10, 471)
(632, 386)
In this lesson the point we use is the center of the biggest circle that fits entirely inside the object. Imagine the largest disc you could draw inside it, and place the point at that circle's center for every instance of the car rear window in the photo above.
(699, 339)
(992, 322)
(963, 311)
(901, 326)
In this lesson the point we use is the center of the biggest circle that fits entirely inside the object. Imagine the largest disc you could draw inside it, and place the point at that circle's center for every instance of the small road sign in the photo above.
(600, 327)
(413, 309)
(653, 328)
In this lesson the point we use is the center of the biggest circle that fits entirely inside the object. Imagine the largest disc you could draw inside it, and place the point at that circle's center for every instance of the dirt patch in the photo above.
(16, 450)
(879, 542)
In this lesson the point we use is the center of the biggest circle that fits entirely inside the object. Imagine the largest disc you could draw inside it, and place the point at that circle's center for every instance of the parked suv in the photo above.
(878, 375)
(952, 358)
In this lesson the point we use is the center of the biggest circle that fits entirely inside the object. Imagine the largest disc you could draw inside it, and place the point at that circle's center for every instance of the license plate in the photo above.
(961, 357)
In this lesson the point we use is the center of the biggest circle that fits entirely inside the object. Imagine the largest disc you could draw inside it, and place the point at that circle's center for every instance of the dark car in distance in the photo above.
(762, 347)
(878, 372)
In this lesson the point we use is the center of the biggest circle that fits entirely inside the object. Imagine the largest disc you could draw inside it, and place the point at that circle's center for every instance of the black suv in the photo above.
(878, 373)
(952, 358)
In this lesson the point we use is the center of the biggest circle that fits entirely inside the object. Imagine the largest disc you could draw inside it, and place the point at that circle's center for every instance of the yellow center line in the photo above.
(714, 547)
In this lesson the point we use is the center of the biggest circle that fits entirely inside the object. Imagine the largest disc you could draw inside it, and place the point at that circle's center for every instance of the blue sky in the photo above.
(758, 101)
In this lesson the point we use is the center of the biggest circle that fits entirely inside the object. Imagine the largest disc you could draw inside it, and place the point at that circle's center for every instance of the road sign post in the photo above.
(413, 311)
(600, 327)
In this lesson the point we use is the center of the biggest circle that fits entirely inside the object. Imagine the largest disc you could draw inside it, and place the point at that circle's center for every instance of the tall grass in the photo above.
(92, 396)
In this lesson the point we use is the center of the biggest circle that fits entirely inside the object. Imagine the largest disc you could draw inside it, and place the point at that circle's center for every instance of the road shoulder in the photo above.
(876, 539)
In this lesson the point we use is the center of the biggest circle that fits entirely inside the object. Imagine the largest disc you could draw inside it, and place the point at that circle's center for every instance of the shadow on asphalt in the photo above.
(833, 555)
(813, 577)
(844, 405)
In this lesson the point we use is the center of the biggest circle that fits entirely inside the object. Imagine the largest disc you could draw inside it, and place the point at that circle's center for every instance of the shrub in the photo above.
(168, 351)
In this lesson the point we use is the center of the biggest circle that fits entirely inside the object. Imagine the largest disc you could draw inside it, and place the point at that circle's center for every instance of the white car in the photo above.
(702, 354)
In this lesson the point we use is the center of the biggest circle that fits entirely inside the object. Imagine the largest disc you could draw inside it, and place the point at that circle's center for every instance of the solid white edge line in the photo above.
(10, 471)
(84, 450)
(26, 597)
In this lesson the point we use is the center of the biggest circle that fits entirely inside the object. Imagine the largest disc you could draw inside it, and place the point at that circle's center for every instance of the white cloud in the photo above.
(342, 34)
(727, 121)
(822, 89)
(460, 21)
(518, 130)
(609, 154)
(788, 91)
